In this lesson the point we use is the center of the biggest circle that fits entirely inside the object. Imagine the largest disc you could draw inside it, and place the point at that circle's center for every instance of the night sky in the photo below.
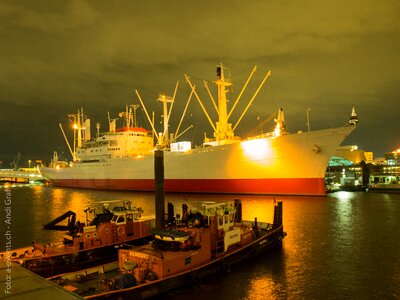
(58, 56)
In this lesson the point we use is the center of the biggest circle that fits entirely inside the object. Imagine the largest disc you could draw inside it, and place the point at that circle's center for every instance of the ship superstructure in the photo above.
(129, 140)
(271, 163)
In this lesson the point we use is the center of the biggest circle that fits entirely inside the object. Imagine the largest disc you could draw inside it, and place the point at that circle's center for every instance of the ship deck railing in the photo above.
(262, 225)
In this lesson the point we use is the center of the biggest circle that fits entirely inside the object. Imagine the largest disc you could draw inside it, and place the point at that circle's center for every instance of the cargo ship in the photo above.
(277, 162)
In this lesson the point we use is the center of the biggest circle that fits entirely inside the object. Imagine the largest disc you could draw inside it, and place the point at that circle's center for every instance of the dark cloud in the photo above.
(325, 55)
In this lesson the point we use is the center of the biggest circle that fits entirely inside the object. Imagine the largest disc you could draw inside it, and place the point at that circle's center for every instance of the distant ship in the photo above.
(276, 163)
(385, 182)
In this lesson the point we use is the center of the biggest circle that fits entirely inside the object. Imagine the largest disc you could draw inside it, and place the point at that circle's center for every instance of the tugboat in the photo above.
(85, 244)
(203, 241)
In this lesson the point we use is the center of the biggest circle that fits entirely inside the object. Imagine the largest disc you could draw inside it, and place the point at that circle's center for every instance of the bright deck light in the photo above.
(255, 147)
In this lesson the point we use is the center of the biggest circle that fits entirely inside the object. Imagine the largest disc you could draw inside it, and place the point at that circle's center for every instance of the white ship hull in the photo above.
(292, 164)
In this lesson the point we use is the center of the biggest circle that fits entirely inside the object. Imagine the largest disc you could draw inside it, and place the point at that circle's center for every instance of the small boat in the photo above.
(85, 244)
(385, 182)
(203, 241)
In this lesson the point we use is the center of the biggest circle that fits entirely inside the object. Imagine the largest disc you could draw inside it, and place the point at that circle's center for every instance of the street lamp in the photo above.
(29, 162)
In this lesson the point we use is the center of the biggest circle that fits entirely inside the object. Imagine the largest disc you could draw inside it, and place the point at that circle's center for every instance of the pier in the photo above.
(24, 284)
(364, 176)
(20, 176)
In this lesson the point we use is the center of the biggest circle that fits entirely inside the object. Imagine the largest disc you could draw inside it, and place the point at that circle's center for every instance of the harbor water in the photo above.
(342, 246)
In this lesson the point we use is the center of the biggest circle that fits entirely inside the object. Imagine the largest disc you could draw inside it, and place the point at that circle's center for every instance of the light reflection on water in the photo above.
(345, 245)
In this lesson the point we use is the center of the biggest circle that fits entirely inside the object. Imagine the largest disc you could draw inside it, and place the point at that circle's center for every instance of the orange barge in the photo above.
(209, 239)
(85, 244)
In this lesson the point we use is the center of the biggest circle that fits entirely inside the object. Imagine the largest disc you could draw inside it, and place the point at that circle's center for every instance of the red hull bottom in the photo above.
(282, 186)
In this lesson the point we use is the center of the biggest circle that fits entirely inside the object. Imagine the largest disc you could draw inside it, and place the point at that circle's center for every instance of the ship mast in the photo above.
(223, 129)
(163, 138)
(78, 126)
(129, 116)
(163, 141)
(135, 107)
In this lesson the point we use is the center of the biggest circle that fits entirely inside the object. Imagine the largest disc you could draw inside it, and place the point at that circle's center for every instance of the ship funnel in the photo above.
(159, 188)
